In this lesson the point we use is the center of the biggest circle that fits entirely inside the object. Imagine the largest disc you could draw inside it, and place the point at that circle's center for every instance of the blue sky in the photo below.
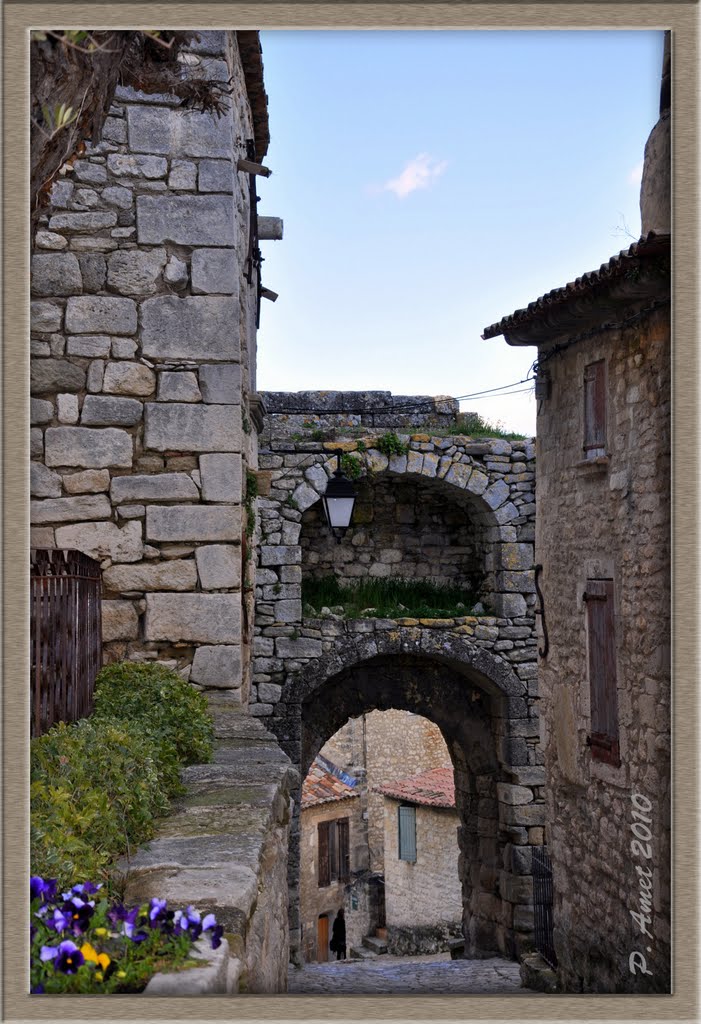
(433, 182)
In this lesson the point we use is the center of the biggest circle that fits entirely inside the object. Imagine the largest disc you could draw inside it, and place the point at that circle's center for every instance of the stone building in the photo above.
(422, 888)
(144, 412)
(333, 850)
(603, 538)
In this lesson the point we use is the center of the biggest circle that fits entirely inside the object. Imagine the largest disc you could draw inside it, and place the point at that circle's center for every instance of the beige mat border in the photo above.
(683, 19)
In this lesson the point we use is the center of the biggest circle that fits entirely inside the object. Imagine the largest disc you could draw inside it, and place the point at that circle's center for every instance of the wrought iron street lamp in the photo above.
(339, 500)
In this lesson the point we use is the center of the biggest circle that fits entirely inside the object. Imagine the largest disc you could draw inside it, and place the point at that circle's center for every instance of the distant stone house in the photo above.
(603, 540)
(423, 900)
(331, 850)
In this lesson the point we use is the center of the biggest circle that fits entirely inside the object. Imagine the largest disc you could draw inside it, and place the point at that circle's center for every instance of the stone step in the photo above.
(359, 953)
(376, 945)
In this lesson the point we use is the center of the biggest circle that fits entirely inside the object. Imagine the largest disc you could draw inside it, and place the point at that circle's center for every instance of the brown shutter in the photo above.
(595, 405)
(602, 671)
(333, 851)
(324, 863)
(342, 826)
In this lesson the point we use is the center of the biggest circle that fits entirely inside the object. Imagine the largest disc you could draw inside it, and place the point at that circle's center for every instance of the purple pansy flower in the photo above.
(69, 958)
(43, 888)
(157, 909)
(216, 936)
(78, 914)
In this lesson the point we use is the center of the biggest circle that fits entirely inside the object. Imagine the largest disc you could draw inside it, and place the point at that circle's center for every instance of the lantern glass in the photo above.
(338, 511)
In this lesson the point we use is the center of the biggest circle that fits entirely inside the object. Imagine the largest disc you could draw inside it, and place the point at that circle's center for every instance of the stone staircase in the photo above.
(372, 947)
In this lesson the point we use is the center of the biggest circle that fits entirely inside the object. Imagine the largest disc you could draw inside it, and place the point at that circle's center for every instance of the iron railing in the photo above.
(543, 904)
(66, 636)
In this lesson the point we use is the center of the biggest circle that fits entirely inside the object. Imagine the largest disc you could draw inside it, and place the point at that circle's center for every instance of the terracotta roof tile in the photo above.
(434, 788)
(617, 267)
(322, 786)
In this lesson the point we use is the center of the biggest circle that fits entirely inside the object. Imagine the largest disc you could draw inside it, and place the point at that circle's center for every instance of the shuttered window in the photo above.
(602, 671)
(324, 861)
(334, 851)
(343, 846)
(595, 409)
(407, 832)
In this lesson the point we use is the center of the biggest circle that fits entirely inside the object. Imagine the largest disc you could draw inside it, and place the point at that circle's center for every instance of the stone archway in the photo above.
(487, 719)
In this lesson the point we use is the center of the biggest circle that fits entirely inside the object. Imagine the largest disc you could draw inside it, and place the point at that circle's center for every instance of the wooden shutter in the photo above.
(602, 671)
(333, 851)
(343, 834)
(407, 832)
(595, 407)
(324, 861)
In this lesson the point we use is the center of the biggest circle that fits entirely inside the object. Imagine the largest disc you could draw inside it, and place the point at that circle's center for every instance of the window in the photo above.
(407, 832)
(602, 671)
(595, 409)
(334, 851)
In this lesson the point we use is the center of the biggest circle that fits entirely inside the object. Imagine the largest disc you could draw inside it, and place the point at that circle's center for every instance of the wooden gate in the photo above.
(322, 938)
(66, 636)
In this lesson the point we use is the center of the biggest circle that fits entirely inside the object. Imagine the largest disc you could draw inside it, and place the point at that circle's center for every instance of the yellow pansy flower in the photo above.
(90, 953)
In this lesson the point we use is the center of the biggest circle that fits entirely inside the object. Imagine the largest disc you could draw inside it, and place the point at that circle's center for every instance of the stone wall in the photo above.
(423, 898)
(608, 518)
(143, 350)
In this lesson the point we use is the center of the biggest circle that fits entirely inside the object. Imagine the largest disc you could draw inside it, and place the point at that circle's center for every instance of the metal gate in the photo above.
(66, 633)
(543, 904)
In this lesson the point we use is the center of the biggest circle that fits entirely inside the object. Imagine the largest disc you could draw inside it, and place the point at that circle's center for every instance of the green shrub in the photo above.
(96, 788)
(390, 598)
(389, 444)
(97, 785)
(166, 707)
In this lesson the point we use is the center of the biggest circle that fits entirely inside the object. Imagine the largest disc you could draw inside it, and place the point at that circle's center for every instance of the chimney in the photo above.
(655, 188)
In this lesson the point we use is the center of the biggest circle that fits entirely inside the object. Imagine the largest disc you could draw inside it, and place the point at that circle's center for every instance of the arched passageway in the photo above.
(483, 711)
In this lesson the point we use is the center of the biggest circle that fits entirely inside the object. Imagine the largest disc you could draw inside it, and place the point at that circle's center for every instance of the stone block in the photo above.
(90, 481)
(506, 513)
(56, 274)
(48, 240)
(159, 487)
(132, 166)
(510, 794)
(52, 375)
(496, 494)
(193, 522)
(82, 221)
(194, 618)
(176, 574)
(43, 482)
(41, 537)
(178, 387)
(89, 448)
(516, 582)
(96, 372)
(178, 133)
(304, 497)
(93, 174)
(119, 621)
(36, 443)
(219, 566)
(522, 814)
(126, 378)
(218, 667)
(191, 428)
(93, 346)
(212, 270)
(288, 611)
(104, 540)
(45, 317)
(99, 314)
(40, 411)
(220, 384)
(458, 474)
(216, 176)
(99, 411)
(269, 693)
(118, 196)
(135, 273)
(194, 327)
(186, 220)
(516, 888)
(175, 272)
(68, 510)
(280, 554)
(509, 606)
(302, 648)
(183, 175)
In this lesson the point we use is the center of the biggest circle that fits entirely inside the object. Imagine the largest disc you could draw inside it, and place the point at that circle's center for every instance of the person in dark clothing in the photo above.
(338, 936)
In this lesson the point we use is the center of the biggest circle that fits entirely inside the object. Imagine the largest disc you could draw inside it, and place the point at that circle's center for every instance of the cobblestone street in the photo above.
(408, 974)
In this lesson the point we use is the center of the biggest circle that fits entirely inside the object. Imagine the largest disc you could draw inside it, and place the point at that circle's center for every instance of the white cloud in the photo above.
(636, 175)
(421, 172)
